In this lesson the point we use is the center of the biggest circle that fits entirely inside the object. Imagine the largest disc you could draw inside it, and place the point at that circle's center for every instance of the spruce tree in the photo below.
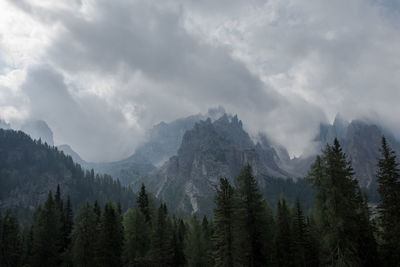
(11, 247)
(179, 231)
(47, 229)
(84, 237)
(251, 220)
(284, 239)
(299, 231)
(195, 245)
(337, 206)
(110, 238)
(161, 246)
(224, 214)
(137, 238)
(388, 177)
(143, 203)
(367, 246)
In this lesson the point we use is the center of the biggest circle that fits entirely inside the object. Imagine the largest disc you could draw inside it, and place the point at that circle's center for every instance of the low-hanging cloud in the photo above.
(107, 71)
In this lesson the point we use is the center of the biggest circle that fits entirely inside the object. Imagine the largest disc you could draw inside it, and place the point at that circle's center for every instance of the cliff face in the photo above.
(209, 151)
(360, 141)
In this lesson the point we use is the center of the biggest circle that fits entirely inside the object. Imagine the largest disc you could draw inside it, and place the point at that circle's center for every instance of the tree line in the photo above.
(342, 230)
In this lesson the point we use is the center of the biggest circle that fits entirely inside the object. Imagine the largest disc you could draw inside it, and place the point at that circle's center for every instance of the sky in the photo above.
(101, 72)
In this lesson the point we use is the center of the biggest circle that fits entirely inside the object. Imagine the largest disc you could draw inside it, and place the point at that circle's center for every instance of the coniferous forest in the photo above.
(341, 230)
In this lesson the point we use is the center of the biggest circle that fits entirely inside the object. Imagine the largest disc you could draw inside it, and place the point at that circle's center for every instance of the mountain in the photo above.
(75, 156)
(164, 139)
(162, 142)
(360, 141)
(30, 169)
(209, 151)
(38, 129)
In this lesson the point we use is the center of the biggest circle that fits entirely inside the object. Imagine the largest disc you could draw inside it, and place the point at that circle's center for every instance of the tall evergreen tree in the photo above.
(11, 247)
(84, 237)
(143, 203)
(47, 230)
(224, 214)
(337, 205)
(284, 239)
(161, 246)
(251, 215)
(196, 246)
(299, 231)
(312, 242)
(110, 238)
(137, 238)
(179, 231)
(388, 177)
(367, 246)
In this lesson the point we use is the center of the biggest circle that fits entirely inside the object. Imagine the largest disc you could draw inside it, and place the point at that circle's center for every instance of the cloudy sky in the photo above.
(101, 72)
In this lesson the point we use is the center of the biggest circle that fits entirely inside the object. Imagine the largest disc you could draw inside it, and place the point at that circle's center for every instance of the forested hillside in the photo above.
(244, 231)
(30, 169)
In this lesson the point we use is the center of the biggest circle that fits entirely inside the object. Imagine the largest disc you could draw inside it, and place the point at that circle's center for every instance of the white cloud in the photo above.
(112, 69)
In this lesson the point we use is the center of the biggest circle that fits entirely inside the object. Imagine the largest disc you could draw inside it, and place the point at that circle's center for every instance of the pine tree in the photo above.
(143, 203)
(312, 242)
(84, 237)
(162, 249)
(11, 248)
(137, 238)
(110, 238)
(299, 236)
(388, 177)
(224, 215)
(252, 220)
(179, 231)
(195, 245)
(337, 205)
(208, 231)
(68, 218)
(46, 232)
(367, 244)
(284, 239)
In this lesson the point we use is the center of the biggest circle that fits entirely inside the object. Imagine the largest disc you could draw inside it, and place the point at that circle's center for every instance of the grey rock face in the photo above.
(360, 141)
(209, 151)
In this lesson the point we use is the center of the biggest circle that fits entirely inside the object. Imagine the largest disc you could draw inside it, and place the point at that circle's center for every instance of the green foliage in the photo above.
(11, 246)
(137, 237)
(162, 251)
(110, 238)
(22, 160)
(143, 203)
(196, 245)
(251, 220)
(224, 235)
(337, 206)
(179, 232)
(284, 238)
(47, 230)
(84, 237)
(388, 178)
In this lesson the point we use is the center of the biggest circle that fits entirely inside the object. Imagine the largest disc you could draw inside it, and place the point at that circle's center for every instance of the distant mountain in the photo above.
(360, 141)
(164, 139)
(75, 156)
(38, 129)
(30, 169)
(209, 151)
(162, 142)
